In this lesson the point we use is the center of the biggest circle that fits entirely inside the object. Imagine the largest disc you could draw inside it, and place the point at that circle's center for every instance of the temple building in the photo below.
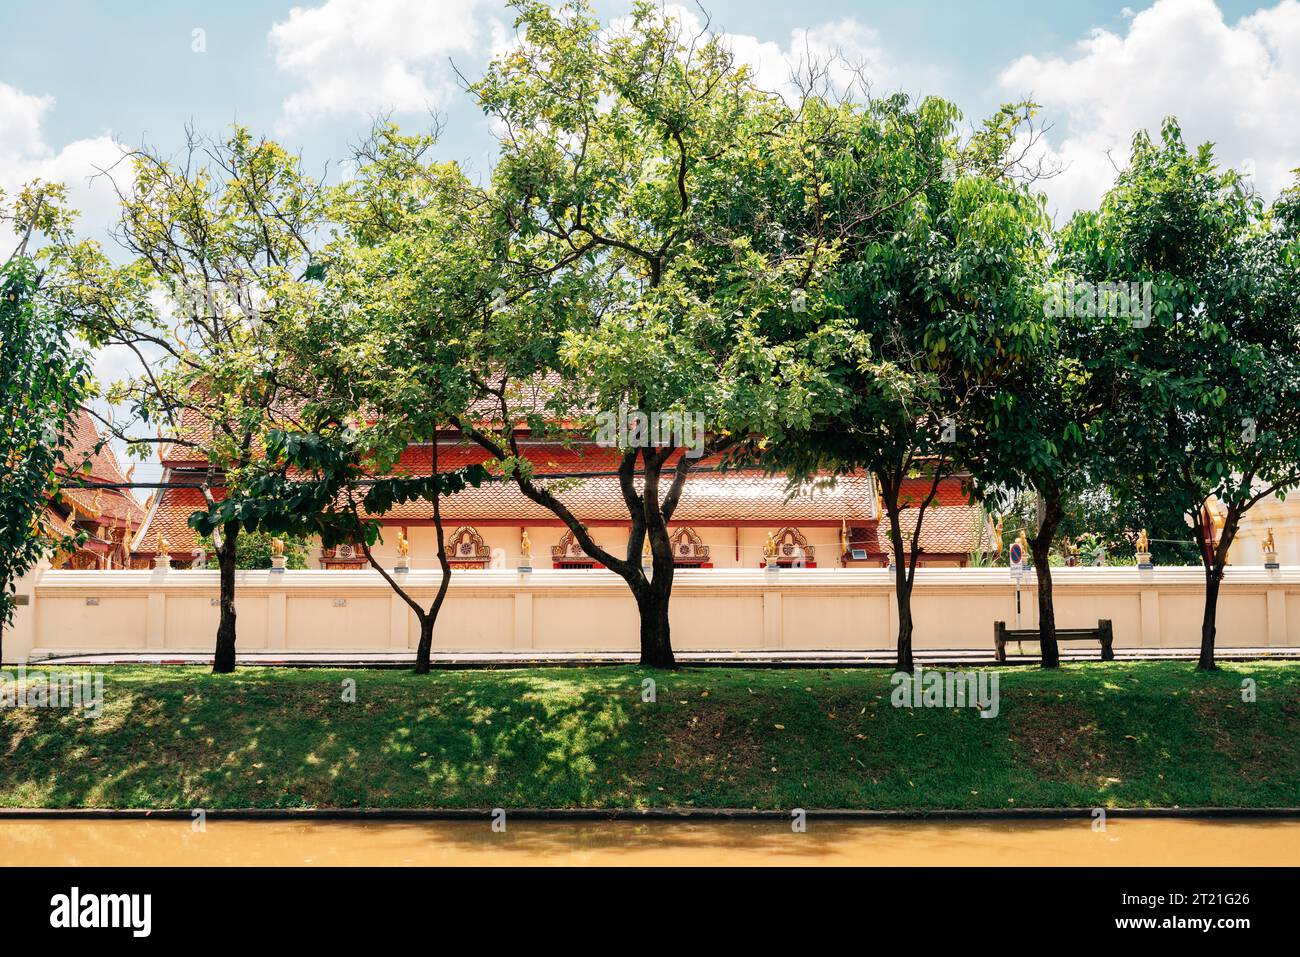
(725, 519)
(110, 518)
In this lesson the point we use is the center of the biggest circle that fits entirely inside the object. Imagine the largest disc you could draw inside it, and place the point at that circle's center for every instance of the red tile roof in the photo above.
(89, 461)
(708, 498)
(169, 518)
(946, 530)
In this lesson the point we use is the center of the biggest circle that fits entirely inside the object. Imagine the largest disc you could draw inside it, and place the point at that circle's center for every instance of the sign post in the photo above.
(1016, 557)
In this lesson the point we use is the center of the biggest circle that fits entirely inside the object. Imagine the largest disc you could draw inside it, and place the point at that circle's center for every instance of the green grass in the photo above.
(1117, 735)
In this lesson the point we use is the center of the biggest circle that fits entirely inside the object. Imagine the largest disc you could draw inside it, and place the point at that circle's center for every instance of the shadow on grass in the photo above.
(1089, 735)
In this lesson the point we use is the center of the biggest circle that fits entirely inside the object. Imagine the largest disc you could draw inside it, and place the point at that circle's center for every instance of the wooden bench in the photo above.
(1103, 633)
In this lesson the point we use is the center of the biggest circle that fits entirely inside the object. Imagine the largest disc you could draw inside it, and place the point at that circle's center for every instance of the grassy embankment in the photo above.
(1118, 734)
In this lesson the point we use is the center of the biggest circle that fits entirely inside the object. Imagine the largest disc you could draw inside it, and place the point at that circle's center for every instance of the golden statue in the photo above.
(997, 537)
(1143, 543)
(161, 545)
(277, 547)
(1024, 542)
(525, 545)
(403, 545)
(844, 537)
(1270, 546)
(769, 550)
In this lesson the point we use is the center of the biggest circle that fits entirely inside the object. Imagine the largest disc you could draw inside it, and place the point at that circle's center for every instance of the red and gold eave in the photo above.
(110, 518)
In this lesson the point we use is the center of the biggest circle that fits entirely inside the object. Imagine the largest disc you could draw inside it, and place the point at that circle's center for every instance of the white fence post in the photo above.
(1149, 602)
(20, 637)
(277, 620)
(1276, 616)
(523, 637)
(399, 624)
(773, 619)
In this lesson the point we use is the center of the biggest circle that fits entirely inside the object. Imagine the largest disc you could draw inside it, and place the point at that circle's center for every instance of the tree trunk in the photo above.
(1216, 560)
(223, 661)
(1213, 577)
(1040, 546)
(656, 642)
(902, 594)
(425, 648)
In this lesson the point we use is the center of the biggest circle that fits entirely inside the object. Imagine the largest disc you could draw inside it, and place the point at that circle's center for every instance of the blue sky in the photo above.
(79, 80)
(127, 71)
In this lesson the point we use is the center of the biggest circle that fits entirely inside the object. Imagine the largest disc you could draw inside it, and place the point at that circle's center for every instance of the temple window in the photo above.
(346, 557)
(688, 549)
(569, 554)
(793, 550)
(466, 549)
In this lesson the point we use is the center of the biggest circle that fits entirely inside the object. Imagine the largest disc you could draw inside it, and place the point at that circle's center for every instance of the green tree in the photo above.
(938, 252)
(44, 378)
(1044, 432)
(213, 245)
(1210, 386)
(378, 353)
(639, 257)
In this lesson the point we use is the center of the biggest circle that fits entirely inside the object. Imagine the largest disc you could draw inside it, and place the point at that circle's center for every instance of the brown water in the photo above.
(1125, 842)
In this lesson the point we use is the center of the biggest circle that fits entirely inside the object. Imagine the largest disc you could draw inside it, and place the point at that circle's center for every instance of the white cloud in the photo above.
(846, 49)
(358, 57)
(1237, 85)
(843, 49)
(20, 123)
(25, 155)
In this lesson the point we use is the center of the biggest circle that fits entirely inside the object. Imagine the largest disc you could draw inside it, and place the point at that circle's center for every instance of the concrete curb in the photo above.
(638, 814)
(509, 664)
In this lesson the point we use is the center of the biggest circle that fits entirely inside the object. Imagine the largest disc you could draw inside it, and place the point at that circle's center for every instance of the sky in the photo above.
(81, 80)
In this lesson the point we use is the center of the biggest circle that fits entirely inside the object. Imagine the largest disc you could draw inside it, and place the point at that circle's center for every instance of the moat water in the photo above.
(1124, 842)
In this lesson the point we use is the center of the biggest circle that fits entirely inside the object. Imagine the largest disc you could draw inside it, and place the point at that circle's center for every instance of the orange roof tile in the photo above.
(87, 460)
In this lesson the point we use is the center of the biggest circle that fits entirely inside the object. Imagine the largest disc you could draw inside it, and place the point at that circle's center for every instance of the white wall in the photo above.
(713, 609)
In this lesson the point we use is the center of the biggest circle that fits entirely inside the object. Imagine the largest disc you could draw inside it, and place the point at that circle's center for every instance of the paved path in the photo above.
(747, 659)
